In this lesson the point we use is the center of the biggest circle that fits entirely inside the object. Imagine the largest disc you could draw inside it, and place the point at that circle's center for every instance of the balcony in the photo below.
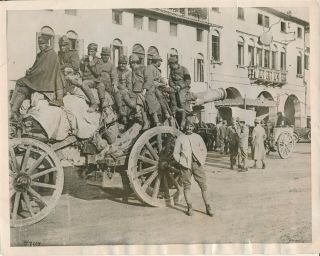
(267, 76)
(193, 13)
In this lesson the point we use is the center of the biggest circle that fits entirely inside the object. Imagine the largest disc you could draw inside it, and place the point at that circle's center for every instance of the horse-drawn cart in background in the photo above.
(37, 176)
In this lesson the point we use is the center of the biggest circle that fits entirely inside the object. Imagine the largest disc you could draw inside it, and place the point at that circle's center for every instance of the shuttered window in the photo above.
(138, 21)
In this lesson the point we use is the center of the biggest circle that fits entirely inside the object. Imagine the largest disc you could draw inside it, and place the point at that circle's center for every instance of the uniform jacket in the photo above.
(69, 59)
(233, 133)
(139, 79)
(89, 69)
(153, 74)
(108, 74)
(176, 76)
(45, 74)
(125, 79)
(185, 146)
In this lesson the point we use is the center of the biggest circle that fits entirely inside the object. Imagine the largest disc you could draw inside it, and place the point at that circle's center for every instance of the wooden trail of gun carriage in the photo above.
(37, 176)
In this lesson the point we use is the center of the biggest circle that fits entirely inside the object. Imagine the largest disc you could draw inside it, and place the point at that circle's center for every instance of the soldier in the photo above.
(124, 97)
(69, 63)
(243, 146)
(233, 133)
(44, 77)
(89, 67)
(139, 80)
(108, 71)
(176, 81)
(154, 98)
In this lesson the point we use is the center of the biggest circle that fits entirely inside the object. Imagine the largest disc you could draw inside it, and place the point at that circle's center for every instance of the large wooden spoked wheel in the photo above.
(153, 182)
(285, 144)
(36, 181)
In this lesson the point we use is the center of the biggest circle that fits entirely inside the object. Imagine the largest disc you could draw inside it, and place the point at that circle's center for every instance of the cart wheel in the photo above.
(36, 181)
(285, 144)
(153, 182)
(296, 137)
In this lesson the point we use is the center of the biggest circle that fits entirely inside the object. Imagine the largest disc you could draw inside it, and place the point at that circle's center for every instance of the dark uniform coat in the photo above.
(108, 75)
(69, 59)
(90, 70)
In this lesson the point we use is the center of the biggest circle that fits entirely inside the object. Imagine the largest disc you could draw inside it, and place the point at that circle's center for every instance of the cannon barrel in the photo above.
(210, 96)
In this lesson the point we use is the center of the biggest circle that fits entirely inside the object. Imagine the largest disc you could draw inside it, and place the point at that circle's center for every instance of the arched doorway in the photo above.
(292, 110)
(151, 52)
(233, 93)
(139, 50)
(263, 110)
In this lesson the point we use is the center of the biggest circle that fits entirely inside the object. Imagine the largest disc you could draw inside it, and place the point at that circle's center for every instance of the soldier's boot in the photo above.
(155, 119)
(93, 104)
(102, 95)
(189, 211)
(16, 104)
(209, 210)
(145, 120)
(263, 165)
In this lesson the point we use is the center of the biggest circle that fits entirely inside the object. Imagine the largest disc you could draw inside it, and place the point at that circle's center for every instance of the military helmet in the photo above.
(106, 50)
(134, 58)
(92, 46)
(64, 40)
(43, 39)
(123, 59)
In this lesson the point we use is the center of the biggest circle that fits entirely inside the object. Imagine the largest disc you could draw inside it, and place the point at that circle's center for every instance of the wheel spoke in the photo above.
(149, 180)
(12, 191)
(28, 203)
(145, 171)
(16, 205)
(166, 187)
(37, 163)
(155, 191)
(38, 196)
(152, 151)
(13, 159)
(25, 159)
(159, 142)
(148, 160)
(43, 185)
(39, 174)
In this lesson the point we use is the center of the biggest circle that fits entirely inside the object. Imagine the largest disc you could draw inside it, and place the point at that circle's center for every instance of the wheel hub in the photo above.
(22, 182)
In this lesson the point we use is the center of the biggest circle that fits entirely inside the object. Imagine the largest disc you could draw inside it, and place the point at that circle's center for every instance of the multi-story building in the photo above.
(221, 47)
(260, 56)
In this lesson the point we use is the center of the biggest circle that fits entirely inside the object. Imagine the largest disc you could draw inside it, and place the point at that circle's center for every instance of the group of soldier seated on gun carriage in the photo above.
(138, 95)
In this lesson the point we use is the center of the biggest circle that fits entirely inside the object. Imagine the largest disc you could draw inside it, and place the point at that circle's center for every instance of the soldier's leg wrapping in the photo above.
(200, 177)
(163, 103)
(85, 86)
(186, 182)
(101, 94)
(21, 92)
(173, 101)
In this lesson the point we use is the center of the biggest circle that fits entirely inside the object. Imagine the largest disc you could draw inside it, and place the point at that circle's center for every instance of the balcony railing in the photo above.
(194, 13)
(267, 76)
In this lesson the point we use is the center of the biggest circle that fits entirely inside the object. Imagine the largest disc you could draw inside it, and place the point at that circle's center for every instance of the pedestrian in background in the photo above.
(190, 153)
(222, 136)
(243, 146)
(258, 137)
(233, 133)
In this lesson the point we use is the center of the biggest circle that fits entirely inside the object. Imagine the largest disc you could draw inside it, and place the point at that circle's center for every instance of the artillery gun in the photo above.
(37, 176)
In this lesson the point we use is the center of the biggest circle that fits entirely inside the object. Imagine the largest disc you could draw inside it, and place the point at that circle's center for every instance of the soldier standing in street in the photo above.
(190, 153)
(44, 77)
(139, 80)
(89, 67)
(258, 137)
(233, 133)
(243, 145)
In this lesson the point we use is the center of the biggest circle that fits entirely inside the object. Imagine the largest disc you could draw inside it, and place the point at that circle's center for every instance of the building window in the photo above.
(139, 50)
(153, 25)
(263, 20)
(299, 32)
(71, 12)
(299, 65)
(116, 17)
(283, 27)
(216, 46)
(199, 35)
(241, 52)
(283, 61)
(151, 52)
(259, 57)
(116, 50)
(73, 37)
(266, 58)
(138, 21)
(251, 55)
(306, 62)
(240, 13)
(173, 29)
(199, 75)
(274, 60)
(215, 9)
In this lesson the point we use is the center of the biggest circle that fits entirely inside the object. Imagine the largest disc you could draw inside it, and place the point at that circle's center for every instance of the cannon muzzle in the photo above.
(210, 96)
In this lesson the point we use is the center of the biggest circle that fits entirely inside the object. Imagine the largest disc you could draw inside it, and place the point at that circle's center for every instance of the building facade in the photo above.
(221, 47)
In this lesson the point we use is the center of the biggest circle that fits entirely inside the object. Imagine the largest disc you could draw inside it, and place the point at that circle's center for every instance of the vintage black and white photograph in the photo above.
(155, 126)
